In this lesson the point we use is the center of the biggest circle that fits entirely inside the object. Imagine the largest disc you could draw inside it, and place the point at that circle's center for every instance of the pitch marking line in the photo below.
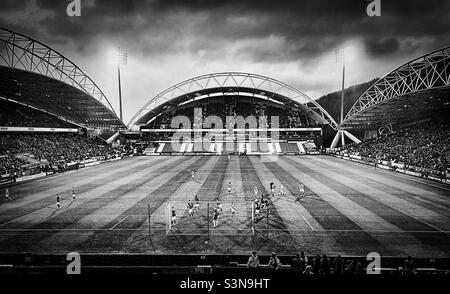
(308, 223)
(119, 222)
(422, 221)
(34, 212)
(3, 224)
(13, 220)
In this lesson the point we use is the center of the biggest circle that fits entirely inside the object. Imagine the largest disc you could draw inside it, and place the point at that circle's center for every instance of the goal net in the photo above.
(210, 218)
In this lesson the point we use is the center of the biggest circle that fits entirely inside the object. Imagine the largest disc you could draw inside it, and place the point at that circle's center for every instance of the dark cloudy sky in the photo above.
(172, 40)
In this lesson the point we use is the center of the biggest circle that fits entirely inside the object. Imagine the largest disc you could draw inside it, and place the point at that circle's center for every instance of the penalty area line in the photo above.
(112, 228)
(13, 220)
(308, 223)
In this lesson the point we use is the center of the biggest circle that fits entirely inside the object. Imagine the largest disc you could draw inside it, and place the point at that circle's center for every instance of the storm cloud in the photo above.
(171, 40)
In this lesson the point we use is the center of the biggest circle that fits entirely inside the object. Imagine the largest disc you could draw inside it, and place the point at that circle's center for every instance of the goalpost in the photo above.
(232, 218)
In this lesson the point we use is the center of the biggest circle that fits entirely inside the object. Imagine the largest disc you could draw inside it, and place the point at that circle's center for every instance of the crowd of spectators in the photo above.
(15, 115)
(423, 146)
(314, 266)
(48, 150)
(286, 118)
(324, 265)
(10, 164)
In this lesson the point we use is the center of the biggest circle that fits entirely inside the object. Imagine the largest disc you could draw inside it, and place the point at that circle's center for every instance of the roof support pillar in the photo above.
(340, 135)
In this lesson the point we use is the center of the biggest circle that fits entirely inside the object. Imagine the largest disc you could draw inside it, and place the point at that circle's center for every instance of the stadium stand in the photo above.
(16, 115)
(235, 148)
(10, 164)
(22, 152)
(167, 148)
(288, 118)
(423, 146)
(207, 147)
(310, 148)
(262, 147)
(289, 148)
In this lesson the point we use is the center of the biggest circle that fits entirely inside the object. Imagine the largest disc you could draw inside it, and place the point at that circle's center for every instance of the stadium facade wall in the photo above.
(36, 130)
(394, 167)
(8, 179)
(31, 177)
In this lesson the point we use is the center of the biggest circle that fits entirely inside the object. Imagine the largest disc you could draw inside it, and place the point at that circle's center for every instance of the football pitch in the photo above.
(348, 209)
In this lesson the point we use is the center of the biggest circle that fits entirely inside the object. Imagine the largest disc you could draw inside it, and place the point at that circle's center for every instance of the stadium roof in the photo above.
(34, 74)
(226, 84)
(420, 88)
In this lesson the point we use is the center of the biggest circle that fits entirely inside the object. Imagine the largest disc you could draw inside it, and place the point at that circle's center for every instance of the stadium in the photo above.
(218, 166)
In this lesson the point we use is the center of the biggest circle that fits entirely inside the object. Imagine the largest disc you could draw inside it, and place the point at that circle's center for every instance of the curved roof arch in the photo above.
(231, 82)
(427, 73)
(20, 52)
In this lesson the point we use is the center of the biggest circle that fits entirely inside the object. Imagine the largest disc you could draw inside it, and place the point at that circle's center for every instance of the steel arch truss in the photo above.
(22, 52)
(428, 72)
(236, 80)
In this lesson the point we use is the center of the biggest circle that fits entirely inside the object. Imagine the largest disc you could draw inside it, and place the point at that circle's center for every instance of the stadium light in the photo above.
(122, 59)
(341, 133)
(340, 57)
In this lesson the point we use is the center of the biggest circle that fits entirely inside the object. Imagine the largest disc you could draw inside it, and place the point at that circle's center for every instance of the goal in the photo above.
(241, 222)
